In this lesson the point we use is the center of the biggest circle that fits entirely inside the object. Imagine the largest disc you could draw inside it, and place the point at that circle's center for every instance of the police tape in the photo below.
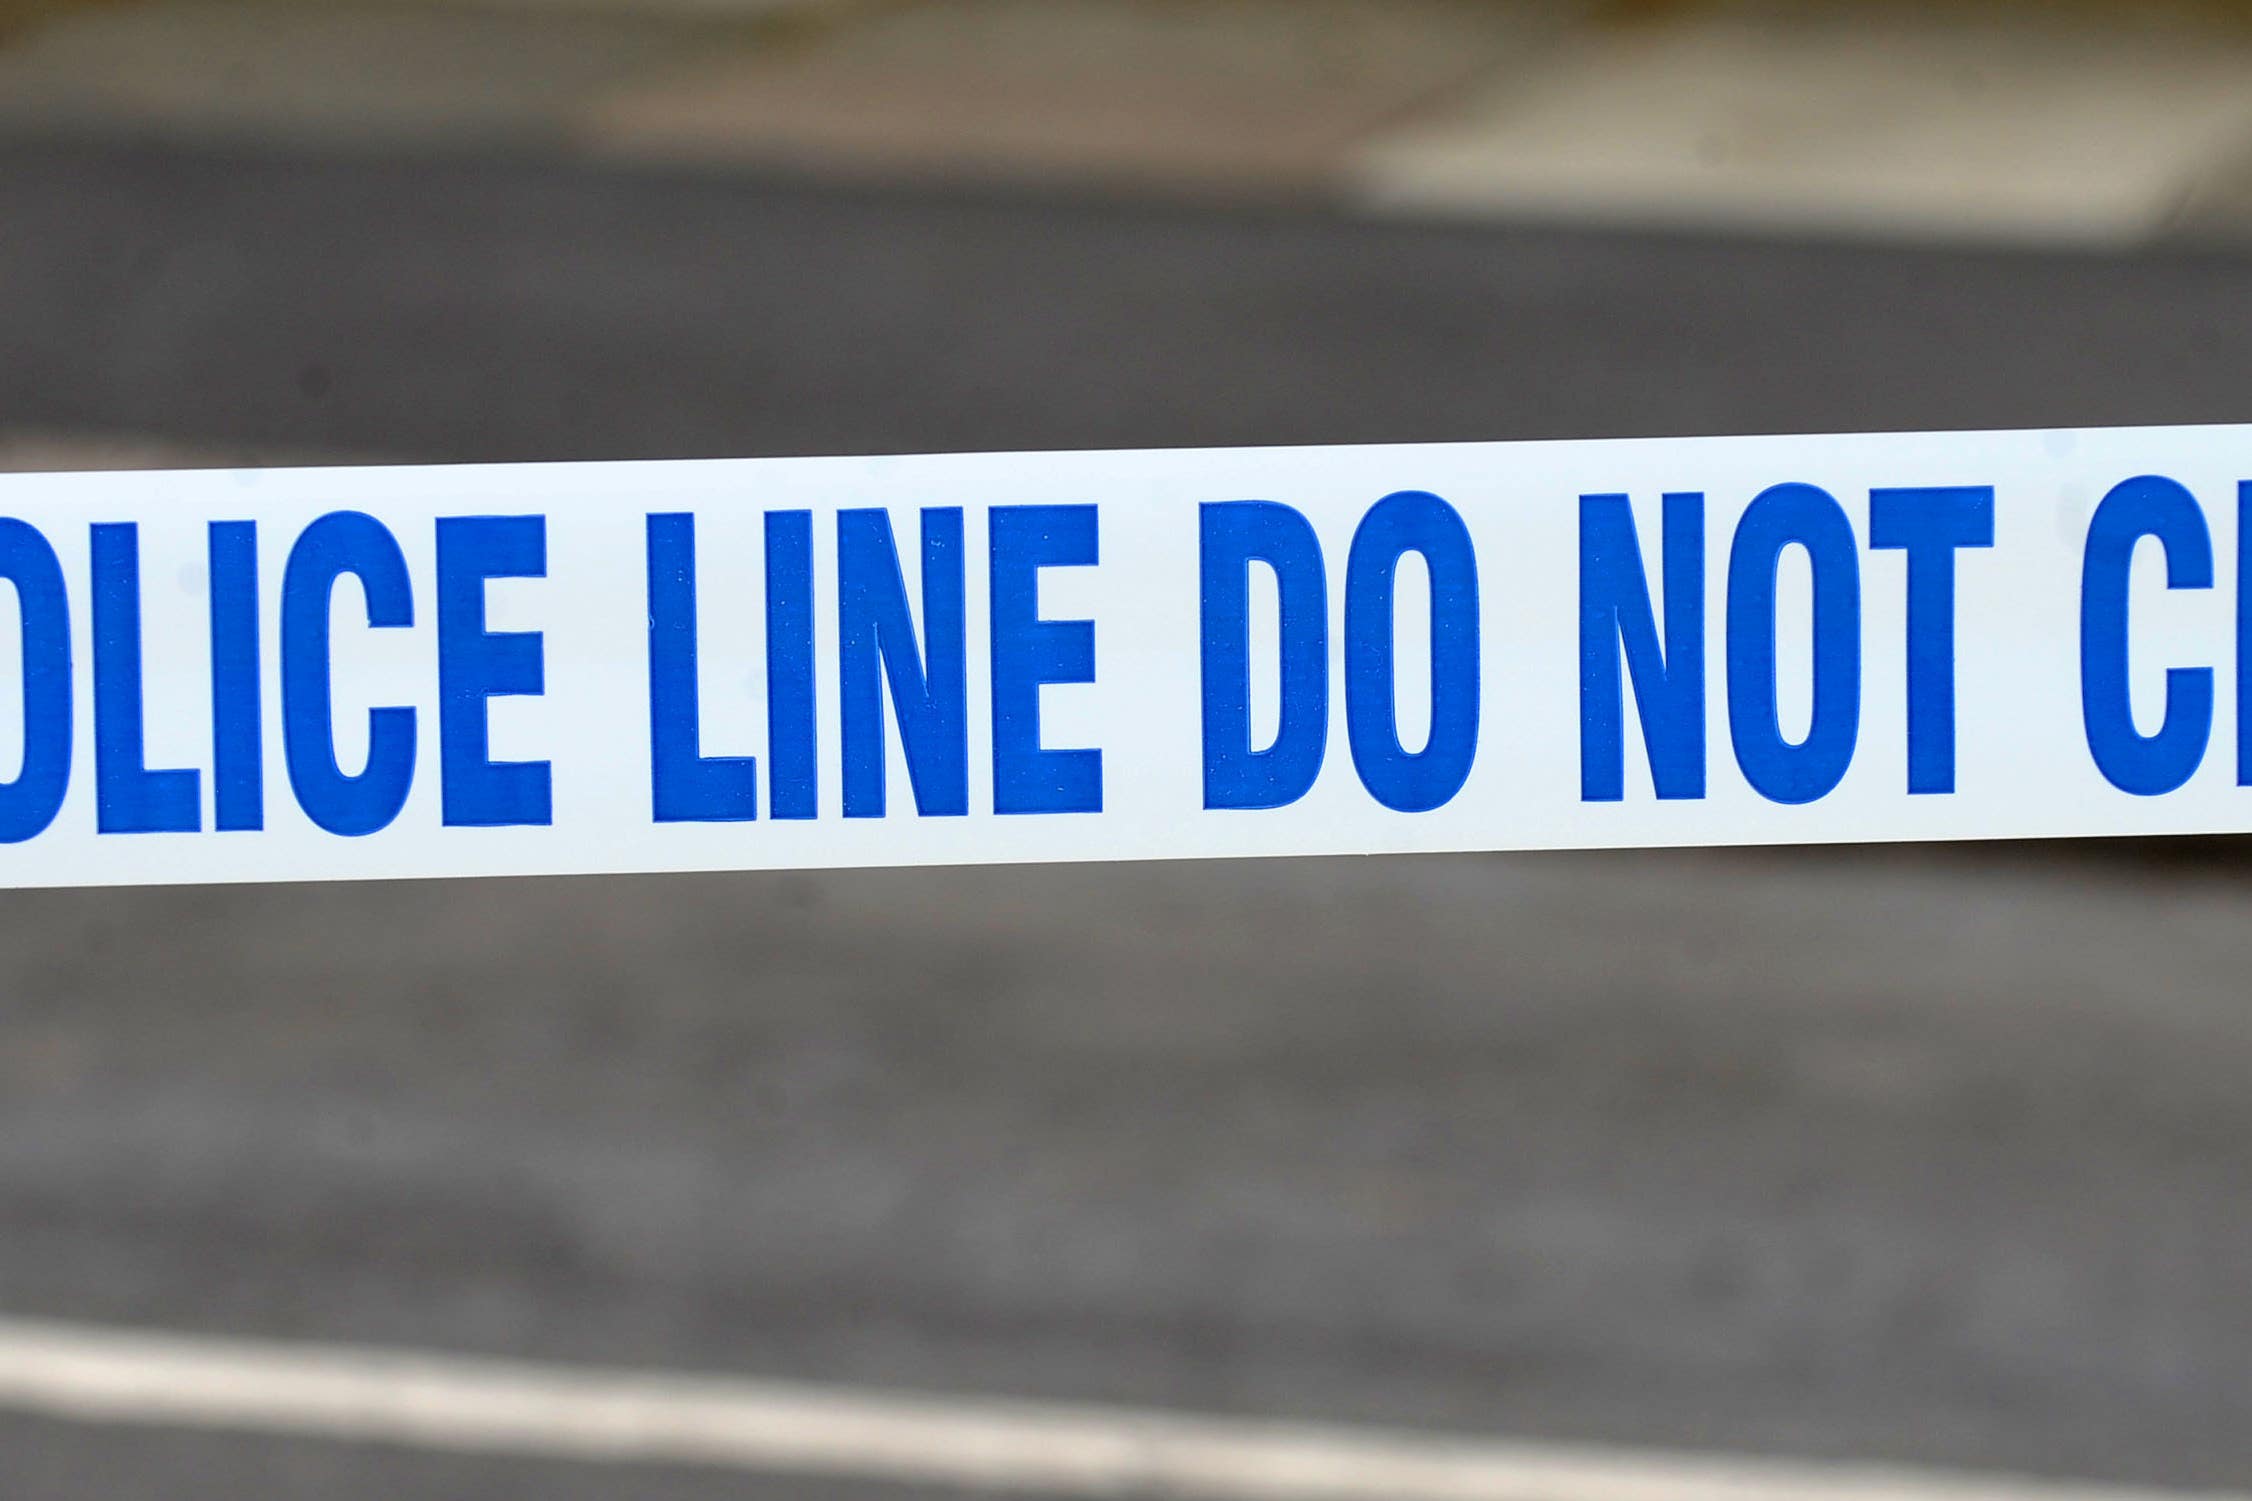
(771, 663)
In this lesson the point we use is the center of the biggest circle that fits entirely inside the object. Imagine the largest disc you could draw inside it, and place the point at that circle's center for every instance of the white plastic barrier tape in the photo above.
(332, 673)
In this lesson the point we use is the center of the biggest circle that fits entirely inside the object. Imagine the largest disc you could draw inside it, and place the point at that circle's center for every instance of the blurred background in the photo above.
(1935, 1159)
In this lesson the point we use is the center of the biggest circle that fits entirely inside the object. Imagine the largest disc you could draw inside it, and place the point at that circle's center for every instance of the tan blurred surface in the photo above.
(1246, 92)
(2092, 124)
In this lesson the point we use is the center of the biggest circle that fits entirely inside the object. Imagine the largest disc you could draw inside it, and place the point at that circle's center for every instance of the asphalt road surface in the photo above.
(1928, 1157)
(475, 311)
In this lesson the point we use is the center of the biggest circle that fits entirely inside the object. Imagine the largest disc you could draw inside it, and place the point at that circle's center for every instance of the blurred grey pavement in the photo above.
(439, 308)
(1933, 1156)
(1771, 1153)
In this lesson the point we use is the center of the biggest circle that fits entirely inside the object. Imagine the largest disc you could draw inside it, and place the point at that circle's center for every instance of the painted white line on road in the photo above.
(30, 451)
(458, 1403)
(2005, 125)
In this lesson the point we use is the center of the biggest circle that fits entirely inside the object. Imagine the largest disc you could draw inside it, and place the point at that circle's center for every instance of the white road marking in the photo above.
(450, 1402)
(1995, 124)
(35, 452)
